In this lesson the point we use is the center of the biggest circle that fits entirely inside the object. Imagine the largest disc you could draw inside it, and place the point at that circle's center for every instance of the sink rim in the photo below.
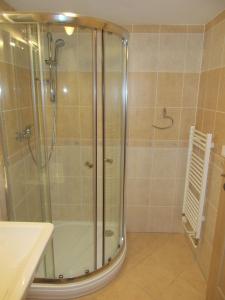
(19, 283)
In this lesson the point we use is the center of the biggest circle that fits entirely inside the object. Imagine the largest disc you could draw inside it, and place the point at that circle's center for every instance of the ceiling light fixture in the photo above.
(70, 14)
(69, 30)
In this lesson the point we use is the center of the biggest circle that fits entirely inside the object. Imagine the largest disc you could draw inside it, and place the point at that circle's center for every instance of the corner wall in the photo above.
(3, 7)
(164, 69)
(211, 119)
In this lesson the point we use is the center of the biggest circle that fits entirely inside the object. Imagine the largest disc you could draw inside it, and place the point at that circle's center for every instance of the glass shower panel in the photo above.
(113, 142)
(70, 139)
(18, 123)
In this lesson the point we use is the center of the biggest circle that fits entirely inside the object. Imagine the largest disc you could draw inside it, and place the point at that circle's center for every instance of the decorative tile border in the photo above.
(165, 28)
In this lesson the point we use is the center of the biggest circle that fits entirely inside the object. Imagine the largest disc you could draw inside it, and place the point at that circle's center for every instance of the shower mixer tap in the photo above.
(109, 160)
(25, 134)
(89, 165)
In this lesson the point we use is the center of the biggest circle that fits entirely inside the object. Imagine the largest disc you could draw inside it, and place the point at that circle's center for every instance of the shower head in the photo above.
(49, 39)
(49, 36)
(58, 43)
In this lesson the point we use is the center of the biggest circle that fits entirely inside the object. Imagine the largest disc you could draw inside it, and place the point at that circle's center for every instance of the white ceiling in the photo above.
(131, 11)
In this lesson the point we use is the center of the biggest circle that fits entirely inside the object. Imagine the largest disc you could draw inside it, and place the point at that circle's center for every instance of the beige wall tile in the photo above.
(177, 225)
(26, 117)
(208, 123)
(172, 52)
(155, 216)
(68, 88)
(9, 100)
(179, 192)
(199, 119)
(181, 162)
(11, 126)
(86, 123)
(21, 212)
(139, 162)
(85, 88)
(164, 162)
(187, 120)
(67, 192)
(68, 122)
(140, 121)
(162, 192)
(214, 185)
(169, 89)
(146, 28)
(137, 218)
(196, 28)
(202, 89)
(216, 46)
(67, 161)
(17, 173)
(190, 89)
(34, 208)
(221, 93)
(137, 191)
(194, 47)
(23, 86)
(144, 52)
(170, 133)
(211, 89)
(206, 50)
(219, 136)
(173, 28)
(142, 89)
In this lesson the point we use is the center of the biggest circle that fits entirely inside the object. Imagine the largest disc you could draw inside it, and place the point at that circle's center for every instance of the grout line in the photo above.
(212, 110)
(154, 116)
(218, 88)
(199, 78)
(161, 106)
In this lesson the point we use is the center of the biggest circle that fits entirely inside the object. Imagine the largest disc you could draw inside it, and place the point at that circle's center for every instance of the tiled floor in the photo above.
(158, 267)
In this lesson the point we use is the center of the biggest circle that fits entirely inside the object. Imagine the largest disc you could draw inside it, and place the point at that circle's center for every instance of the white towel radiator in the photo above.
(195, 183)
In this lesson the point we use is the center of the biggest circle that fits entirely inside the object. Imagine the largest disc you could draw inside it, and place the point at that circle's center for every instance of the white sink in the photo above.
(21, 247)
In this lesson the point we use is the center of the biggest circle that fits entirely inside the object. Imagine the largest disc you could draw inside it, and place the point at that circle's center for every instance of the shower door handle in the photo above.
(89, 165)
(109, 160)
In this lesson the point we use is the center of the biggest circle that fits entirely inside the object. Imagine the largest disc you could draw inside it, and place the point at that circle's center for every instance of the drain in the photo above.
(61, 276)
(109, 233)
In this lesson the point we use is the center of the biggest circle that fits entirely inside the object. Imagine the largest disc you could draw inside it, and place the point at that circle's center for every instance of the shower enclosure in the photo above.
(63, 89)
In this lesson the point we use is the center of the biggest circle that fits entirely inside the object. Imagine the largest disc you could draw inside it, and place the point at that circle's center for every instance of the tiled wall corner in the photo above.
(164, 70)
(210, 118)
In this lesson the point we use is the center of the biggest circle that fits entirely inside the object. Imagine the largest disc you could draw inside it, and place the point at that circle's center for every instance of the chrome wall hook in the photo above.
(165, 116)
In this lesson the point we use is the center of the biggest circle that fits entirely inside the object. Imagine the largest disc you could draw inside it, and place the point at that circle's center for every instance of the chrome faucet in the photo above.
(25, 134)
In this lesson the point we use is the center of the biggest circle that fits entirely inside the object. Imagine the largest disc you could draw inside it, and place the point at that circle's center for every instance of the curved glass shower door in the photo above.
(114, 139)
(69, 131)
(62, 116)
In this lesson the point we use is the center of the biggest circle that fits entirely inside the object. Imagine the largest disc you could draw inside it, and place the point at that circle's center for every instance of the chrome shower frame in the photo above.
(69, 19)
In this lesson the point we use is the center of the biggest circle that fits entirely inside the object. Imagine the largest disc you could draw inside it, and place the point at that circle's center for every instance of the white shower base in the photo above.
(73, 248)
(73, 254)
